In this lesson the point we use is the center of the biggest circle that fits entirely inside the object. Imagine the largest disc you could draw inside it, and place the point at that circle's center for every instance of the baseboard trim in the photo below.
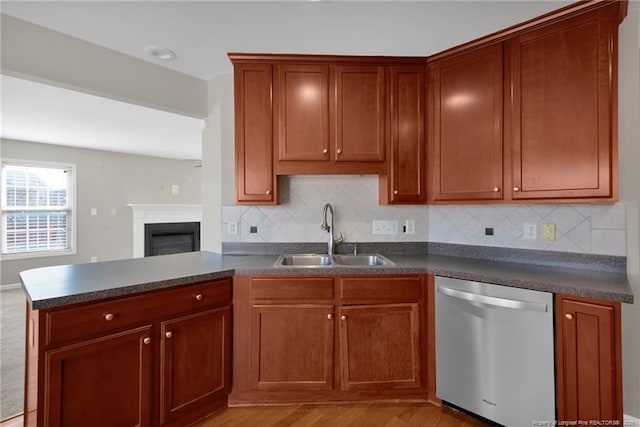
(10, 286)
(630, 421)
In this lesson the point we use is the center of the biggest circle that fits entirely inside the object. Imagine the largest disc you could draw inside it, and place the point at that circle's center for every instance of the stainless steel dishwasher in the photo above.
(494, 351)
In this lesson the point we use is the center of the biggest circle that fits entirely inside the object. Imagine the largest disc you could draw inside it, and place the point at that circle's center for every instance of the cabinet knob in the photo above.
(325, 151)
(395, 192)
(516, 188)
(568, 316)
(147, 340)
(329, 316)
(168, 334)
(198, 297)
(108, 317)
(343, 317)
(268, 192)
(339, 151)
(496, 189)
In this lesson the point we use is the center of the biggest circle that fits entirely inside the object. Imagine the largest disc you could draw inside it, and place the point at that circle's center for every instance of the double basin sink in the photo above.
(325, 260)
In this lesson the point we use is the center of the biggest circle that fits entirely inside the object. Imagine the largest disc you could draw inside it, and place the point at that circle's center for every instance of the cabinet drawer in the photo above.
(380, 289)
(290, 288)
(76, 322)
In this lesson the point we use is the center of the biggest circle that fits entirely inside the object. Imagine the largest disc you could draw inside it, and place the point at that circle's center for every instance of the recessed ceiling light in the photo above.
(160, 53)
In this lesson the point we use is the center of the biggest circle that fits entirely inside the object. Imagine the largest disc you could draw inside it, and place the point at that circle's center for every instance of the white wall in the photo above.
(106, 180)
(629, 144)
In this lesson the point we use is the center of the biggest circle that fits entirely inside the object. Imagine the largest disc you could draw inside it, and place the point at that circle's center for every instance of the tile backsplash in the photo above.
(582, 228)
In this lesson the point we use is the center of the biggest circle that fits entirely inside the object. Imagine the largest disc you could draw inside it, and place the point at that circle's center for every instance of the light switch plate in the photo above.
(233, 228)
(548, 231)
(385, 227)
(410, 226)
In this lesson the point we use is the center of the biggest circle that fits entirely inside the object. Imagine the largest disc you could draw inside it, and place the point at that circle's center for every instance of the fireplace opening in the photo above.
(171, 238)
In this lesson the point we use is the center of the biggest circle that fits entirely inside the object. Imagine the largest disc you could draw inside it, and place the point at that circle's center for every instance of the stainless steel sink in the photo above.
(364, 259)
(324, 260)
(304, 260)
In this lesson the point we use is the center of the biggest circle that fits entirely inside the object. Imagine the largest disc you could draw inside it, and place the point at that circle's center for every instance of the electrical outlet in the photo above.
(385, 227)
(233, 228)
(530, 231)
(548, 231)
(175, 189)
(410, 226)
(94, 211)
(94, 259)
(114, 211)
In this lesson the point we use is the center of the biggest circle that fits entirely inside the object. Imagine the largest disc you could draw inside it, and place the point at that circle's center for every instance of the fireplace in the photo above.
(148, 214)
(171, 238)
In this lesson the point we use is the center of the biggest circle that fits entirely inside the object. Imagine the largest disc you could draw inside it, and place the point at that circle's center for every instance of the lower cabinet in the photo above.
(160, 358)
(329, 338)
(104, 381)
(380, 346)
(292, 347)
(588, 361)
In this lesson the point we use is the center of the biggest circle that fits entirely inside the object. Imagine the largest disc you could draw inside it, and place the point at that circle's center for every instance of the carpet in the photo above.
(12, 340)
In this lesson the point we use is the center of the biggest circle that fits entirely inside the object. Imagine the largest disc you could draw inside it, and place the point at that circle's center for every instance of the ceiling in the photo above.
(202, 32)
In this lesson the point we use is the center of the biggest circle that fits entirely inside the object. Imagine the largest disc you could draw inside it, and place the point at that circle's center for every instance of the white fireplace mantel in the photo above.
(154, 214)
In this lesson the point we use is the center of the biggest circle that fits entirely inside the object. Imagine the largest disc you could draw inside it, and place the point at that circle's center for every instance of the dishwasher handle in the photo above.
(493, 301)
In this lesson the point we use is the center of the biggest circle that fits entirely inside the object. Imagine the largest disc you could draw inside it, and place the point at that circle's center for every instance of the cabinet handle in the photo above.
(329, 316)
(339, 151)
(516, 188)
(198, 297)
(343, 317)
(268, 192)
(168, 334)
(108, 317)
(395, 192)
(325, 151)
(147, 340)
(496, 189)
(568, 316)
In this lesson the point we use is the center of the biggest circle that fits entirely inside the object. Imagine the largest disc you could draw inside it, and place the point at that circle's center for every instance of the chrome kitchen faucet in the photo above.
(329, 229)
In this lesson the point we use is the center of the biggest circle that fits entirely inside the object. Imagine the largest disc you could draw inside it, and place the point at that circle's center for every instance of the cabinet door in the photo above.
(292, 347)
(408, 156)
(302, 112)
(380, 346)
(562, 134)
(195, 365)
(359, 113)
(589, 379)
(255, 179)
(101, 382)
(466, 141)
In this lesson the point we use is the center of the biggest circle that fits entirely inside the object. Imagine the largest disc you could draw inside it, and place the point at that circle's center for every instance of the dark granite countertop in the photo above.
(63, 285)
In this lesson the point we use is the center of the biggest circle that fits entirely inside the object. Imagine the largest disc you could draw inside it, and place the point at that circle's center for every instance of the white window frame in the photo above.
(72, 220)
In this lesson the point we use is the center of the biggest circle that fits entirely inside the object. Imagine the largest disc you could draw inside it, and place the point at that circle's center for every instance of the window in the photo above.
(37, 209)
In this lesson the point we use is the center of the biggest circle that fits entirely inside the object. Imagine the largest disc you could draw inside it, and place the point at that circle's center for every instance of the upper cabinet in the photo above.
(561, 120)
(301, 113)
(529, 113)
(255, 180)
(466, 125)
(406, 181)
(359, 114)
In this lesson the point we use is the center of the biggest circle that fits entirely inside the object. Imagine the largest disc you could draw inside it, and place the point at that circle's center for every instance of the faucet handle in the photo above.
(339, 239)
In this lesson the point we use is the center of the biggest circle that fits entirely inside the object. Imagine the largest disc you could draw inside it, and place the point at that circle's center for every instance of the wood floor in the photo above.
(347, 415)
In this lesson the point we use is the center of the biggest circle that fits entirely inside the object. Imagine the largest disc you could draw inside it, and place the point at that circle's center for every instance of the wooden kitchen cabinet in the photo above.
(406, 182)
(256, 183)
(360, 108)
(135, 360)
(588, 360)
(562, 121)
(466, 125)
(380, 346)
(195, 366)
(329, 338)
(104, 381)
(301, 112)
(292, 347)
